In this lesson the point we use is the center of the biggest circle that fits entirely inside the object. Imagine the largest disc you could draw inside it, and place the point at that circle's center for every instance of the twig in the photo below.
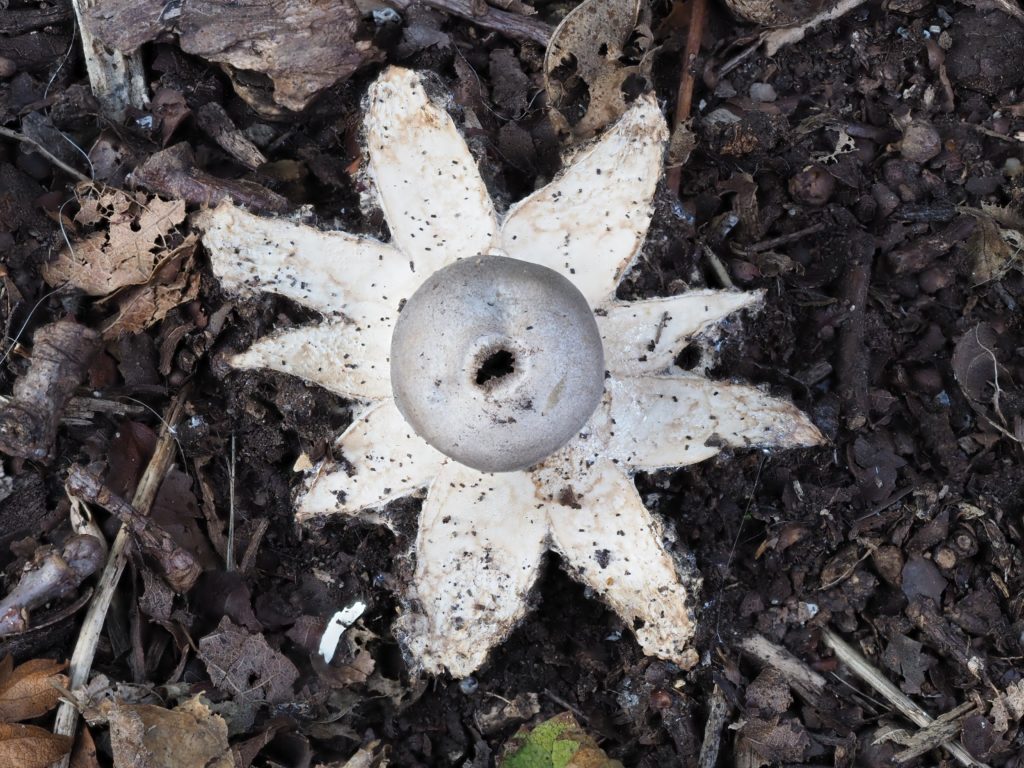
(775, 242)
(718, 712)
(800, 677)
(511, 24)
(862, 669)
(37, 147)
(942, 729)
(850, 368)
(253, 547)
(49, 575)
(718, 267)
(88, 638)
(177, 565)
(684, 97)
(229, 553)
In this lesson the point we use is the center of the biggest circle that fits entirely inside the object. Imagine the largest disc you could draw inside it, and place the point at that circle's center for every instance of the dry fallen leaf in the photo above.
(29, 690)
(599, 51)
(27, 746)
(188, 736)
(244, 665)
(136, 239)
(994, 250)
(173, 284)
(84, 755)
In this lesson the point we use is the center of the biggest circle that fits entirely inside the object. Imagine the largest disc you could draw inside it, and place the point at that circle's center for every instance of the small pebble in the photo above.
(469, 685)
(920, 142)
(7, 67)
(762, 92)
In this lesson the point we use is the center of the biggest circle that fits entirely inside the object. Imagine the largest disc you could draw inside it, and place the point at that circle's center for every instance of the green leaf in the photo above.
(555, 743)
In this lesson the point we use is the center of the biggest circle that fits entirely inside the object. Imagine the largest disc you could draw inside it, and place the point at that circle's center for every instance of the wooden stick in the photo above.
(684, 97)
(176, 564)
(942, 729)
(862, 669)
(801, 678)
(718, 712)
(88, 637)
(37, 147)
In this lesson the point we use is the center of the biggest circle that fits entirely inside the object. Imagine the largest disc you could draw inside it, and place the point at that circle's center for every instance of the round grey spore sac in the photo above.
(497, 362)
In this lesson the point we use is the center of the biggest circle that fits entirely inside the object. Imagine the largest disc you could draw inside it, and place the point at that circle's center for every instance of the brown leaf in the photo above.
(980, 374)
(84, 755)
(148, 304)
(136, 240)
(188, 736)
(585, 58)
(991, 249)
(777, 740)
(245, 666)
(27, 746)
(28, 691)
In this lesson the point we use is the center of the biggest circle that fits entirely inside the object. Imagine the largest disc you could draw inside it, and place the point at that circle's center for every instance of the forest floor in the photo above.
(890, 261)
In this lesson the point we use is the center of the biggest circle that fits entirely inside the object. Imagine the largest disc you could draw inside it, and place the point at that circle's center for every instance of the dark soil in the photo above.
(903, 534)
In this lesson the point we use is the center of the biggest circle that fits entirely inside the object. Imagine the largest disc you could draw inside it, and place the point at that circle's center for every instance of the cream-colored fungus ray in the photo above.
(646, 336)
(332, 272)
(348, 358)
(613, 544)
(478, 551)
(379, 459)
(591, 220)
(430, 188)
(672, 421)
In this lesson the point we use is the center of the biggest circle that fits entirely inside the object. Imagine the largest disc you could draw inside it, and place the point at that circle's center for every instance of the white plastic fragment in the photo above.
(336, 627)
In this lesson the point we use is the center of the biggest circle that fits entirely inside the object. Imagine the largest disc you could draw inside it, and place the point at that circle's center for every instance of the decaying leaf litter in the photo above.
(890, 317)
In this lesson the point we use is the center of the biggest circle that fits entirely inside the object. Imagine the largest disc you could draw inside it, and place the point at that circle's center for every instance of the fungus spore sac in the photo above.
(497, 362)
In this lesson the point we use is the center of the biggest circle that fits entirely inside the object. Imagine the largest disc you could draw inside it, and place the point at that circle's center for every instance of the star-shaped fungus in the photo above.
(500, 373)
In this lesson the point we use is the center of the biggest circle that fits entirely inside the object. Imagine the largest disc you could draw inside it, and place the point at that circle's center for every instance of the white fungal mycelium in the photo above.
(483, 535)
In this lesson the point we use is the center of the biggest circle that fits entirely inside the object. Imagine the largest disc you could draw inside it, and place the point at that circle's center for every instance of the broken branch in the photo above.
(511, 24)
(88, 638)
(178, 566)
(60, 358)
(49, 575)
(862, 669)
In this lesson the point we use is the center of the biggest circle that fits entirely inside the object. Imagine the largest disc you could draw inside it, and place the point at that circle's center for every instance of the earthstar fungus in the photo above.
(491, 353)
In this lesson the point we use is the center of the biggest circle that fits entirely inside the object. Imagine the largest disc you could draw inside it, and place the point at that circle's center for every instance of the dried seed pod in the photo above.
(812, 186)
(964, 542)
